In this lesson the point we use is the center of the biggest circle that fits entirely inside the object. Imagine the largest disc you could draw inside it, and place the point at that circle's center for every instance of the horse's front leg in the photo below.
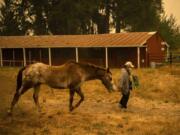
(71, 99)
(79, 92)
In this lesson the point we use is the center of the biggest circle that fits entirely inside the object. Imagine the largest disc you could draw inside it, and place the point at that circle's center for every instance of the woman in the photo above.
(125, 84)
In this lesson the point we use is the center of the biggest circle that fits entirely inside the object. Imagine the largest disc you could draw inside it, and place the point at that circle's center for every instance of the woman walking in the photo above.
(125, 84)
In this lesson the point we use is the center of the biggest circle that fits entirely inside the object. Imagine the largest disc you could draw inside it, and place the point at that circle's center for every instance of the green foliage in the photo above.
(136, 15)
(10, 22)
(21, 15)
(44, 17)
(170, 31)
(72, 17)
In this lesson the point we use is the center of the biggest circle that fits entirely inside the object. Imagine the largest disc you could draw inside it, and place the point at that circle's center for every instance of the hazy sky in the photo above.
(173, 7)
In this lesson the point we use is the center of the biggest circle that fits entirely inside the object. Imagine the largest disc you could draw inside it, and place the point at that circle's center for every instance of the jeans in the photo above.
(124, 100)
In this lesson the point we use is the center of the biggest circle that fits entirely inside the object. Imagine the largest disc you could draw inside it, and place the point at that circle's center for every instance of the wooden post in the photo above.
(29, 56)
(77, 55)
(24, 56)
(106, 57)
(13, 57)
(138, 57)
(167, 53)
(1, 57)
(40, 54)
(50, 58)
(146, 57)
(170, 59)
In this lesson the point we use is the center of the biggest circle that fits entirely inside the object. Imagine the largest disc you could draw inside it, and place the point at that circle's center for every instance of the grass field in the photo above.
(153, 109)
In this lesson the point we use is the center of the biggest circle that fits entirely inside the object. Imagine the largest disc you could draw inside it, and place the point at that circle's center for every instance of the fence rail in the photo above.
(14, 63)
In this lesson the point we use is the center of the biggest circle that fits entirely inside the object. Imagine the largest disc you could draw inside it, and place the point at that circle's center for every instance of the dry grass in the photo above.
(154, 108)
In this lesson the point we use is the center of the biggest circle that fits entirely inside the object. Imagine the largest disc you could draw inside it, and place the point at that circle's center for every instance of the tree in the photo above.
(73, 17)
(22, 15)
(170, 31)
(10, 24)
(86, 17)
(136, 15)
(40, 9)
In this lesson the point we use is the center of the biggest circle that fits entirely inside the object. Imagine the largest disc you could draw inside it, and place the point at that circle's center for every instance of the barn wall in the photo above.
(155, 52)
(143, 59)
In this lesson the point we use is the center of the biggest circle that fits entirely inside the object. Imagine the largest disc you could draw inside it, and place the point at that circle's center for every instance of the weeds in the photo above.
(153, 107)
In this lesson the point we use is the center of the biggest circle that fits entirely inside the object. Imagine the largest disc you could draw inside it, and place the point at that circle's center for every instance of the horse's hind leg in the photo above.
(36, 96)
(17, 95)
(14, 101)
(71, 99)
(79, 92)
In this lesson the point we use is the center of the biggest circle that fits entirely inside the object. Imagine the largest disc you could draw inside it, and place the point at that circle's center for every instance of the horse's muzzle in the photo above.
(112, 88)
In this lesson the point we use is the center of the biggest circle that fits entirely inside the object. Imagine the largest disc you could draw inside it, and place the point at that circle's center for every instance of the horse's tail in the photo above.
(19, 78)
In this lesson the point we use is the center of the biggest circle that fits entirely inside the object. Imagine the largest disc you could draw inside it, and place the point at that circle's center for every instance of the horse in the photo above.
(70, 75)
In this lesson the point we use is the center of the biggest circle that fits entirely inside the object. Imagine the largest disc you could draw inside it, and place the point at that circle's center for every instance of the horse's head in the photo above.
(106, 77)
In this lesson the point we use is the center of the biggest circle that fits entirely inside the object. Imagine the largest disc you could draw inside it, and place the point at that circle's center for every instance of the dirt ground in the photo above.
(151, 109)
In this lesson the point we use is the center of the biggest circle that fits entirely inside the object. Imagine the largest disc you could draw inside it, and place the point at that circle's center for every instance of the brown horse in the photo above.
(69, 75)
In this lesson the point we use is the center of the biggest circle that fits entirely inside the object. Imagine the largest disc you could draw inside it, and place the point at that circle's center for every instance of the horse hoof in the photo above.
(71, 109)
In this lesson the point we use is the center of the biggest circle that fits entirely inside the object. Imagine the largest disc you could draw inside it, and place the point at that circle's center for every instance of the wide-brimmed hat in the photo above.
(129, 64)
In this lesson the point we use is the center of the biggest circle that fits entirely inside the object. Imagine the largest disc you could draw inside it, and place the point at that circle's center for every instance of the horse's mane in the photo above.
(87, 64)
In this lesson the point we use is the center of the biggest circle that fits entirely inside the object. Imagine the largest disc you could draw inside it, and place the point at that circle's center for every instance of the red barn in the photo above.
(111, 50)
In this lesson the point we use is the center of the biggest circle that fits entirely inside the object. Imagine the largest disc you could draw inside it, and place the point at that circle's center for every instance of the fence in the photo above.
(174, 58)
(55, 61)
(15, 63)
